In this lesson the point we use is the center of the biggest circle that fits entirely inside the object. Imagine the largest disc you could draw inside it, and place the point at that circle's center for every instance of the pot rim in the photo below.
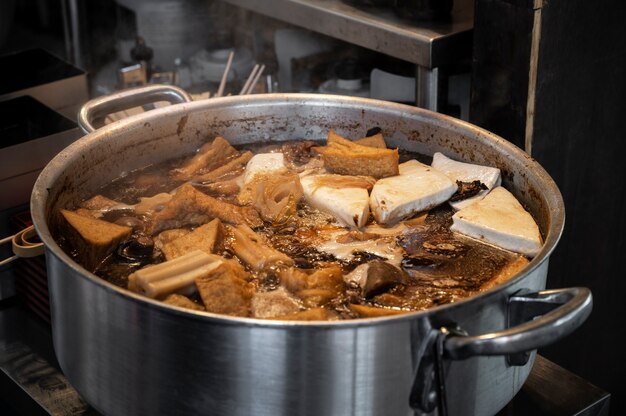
(50, 173)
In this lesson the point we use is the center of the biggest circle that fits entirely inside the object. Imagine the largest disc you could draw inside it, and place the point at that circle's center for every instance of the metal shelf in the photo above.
(429, 45)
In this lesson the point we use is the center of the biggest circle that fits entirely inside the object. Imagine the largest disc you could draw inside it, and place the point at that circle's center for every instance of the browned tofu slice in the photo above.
(92, 238)
(209, 157)
(191, 207)
(203, 238)
(315, 288)
(377, 140)
(345, 157)
(223, 292)
(233, 167)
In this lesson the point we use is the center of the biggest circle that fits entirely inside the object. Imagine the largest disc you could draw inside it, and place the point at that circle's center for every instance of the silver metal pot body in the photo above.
(128, 355)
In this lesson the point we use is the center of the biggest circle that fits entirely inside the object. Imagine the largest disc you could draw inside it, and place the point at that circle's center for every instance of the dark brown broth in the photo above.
(442, 267)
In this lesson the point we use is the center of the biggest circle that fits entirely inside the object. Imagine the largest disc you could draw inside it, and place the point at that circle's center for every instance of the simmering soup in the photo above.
(303, 230)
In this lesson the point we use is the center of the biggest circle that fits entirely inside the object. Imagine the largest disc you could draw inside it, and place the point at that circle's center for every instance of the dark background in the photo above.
(579, 138)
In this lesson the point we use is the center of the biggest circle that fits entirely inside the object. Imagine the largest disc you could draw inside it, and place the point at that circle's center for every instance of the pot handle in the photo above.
(22, 247)
(98, 108)
(535, 320)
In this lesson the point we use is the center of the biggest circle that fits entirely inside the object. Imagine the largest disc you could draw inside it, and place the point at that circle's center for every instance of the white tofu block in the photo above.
(264, 163)
(417, 188)
(499, 219)
(349, 205)
(467, 172)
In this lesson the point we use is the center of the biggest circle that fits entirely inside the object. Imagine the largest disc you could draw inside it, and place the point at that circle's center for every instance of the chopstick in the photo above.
(256, 79)
(220, 89)
(249, 80)
(253, 78)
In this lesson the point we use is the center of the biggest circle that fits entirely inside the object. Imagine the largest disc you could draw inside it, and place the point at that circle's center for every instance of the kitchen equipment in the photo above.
(45, 77)
(126, 354)
(31, 134)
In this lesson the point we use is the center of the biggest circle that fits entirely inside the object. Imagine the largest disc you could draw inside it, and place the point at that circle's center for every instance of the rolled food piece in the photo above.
(173, 276)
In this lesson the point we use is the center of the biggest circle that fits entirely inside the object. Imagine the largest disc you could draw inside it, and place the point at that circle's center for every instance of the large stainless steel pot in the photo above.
(128, 355)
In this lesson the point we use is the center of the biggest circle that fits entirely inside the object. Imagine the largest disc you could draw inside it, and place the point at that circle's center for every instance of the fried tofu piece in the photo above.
(209, 157)
(316, 288)
(183, 301)
(229, 188)
(223, 291)
(168, 236)
(346, 157)
(377, 140)
(191, 207)
(92, 238)
(231, 168)
(204, 238)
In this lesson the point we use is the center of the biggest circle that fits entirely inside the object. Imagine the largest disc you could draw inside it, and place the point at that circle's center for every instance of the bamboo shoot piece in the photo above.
(173, 276)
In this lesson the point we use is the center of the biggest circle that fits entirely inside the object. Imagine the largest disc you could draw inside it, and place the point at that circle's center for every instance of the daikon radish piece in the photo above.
(499, 219)
(467, 172)
(417, 188)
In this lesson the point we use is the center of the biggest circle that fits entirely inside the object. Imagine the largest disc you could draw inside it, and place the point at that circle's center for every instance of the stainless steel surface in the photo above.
(427, 44)
(535, 320)
(129, 355)
(567, 309)
(427, 88)
(32, 384)
(123, 100)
